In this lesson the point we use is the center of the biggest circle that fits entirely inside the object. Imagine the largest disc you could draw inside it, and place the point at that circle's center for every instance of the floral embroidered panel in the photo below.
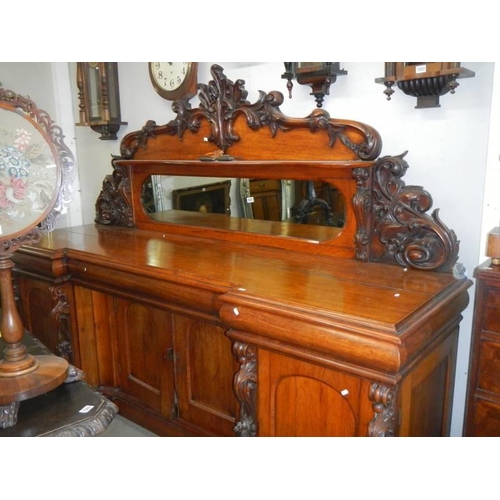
(29, 174)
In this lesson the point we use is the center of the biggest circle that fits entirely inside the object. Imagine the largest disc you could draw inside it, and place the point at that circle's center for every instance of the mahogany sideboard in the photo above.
(201, 324)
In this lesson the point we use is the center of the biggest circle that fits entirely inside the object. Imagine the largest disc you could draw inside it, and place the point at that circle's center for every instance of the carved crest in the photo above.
(222, 101)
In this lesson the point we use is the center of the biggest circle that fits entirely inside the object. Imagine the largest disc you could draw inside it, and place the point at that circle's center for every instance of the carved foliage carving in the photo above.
(383, 423)
(137, 140)
(245, 388)
(408, 235)
(113, 206)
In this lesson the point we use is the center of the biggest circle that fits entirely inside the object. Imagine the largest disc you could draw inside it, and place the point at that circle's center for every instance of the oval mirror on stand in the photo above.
(36, 174)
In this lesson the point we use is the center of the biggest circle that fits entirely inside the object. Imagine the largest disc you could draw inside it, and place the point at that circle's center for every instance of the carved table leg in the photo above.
(74, 374)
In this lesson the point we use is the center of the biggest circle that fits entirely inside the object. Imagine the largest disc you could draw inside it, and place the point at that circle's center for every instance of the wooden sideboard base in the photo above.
(197, 345)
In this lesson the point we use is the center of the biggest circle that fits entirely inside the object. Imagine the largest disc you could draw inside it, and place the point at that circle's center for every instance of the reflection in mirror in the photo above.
(311, 203)
(319, 203)
(208, 198)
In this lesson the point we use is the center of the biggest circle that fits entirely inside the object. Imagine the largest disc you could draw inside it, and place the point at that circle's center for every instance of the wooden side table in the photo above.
(73, 409)
(482, 417)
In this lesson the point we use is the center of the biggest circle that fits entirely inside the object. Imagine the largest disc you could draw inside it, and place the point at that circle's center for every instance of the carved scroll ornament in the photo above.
(113, 206)
(408, 234)
(383, 423)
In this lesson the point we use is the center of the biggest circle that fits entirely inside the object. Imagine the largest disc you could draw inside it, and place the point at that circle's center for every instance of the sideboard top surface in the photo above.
(380, 293)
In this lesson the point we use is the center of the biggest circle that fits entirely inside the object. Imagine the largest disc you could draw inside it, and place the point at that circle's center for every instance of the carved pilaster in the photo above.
(406, 234)
(245, 388)
(60, 315)
(384, 422)
(361, 202)
(113, 206)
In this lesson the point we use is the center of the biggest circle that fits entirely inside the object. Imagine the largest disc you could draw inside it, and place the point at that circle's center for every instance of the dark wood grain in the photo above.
(482, 414)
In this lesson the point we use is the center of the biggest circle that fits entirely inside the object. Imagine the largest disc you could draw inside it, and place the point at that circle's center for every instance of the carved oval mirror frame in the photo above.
(36, 172)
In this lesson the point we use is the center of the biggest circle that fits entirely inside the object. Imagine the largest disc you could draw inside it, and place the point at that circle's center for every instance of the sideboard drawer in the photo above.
(491, 319)
(489, 367)
(262, 185)
(482, 413)
(487, 419)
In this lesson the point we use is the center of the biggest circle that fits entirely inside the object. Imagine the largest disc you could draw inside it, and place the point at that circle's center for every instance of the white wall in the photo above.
(491, 214)
(48, 85)
(32, 79)
(447, 146)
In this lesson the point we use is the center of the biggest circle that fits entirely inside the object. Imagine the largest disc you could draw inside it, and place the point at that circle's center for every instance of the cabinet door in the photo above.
(36, 304)
(145, 364)
(205, 368)
(426, 392)
(297, 398)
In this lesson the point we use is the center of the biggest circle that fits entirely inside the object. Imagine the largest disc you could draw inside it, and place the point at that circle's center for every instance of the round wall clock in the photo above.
(174, 80)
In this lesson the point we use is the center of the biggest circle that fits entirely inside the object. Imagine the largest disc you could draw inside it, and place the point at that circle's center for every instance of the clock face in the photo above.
(169, 75)
(174, 80)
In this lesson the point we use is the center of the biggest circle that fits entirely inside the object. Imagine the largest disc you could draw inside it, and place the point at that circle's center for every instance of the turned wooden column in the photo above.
(22, 376)
(15, 360)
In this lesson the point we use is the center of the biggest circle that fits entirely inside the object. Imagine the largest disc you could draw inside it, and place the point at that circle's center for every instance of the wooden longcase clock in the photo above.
(174, 80)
